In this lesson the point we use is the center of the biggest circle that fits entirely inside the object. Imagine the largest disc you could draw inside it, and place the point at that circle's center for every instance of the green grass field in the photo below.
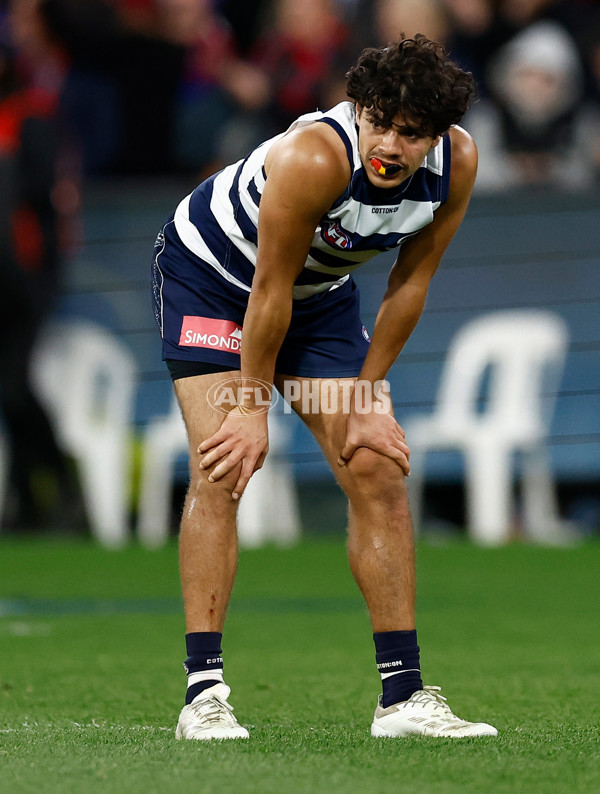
(91, 682)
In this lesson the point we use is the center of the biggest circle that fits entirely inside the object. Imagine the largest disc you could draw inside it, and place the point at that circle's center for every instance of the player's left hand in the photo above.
(379, 431)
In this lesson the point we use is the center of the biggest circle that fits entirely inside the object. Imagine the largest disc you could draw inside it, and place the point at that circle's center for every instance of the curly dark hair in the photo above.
(414, 78)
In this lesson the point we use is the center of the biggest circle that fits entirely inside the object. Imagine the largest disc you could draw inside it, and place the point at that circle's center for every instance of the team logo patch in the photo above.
(211, 333)
(336, 236)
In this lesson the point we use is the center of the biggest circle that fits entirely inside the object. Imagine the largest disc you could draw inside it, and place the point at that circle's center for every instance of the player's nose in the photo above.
(391, 143)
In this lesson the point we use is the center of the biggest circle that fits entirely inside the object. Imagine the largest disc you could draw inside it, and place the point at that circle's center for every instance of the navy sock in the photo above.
(397, 656)
(204, 664)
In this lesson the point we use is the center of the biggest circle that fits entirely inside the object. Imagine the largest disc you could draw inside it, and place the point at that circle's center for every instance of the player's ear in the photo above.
(436, 140)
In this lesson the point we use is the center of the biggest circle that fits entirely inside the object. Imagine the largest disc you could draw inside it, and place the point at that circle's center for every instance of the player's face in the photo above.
(402, 144)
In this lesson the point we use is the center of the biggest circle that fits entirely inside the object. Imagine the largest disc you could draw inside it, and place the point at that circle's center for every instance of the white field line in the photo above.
(44, 726)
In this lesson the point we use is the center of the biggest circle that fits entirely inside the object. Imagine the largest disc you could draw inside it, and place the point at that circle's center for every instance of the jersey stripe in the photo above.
(342, 133)
(193, 240)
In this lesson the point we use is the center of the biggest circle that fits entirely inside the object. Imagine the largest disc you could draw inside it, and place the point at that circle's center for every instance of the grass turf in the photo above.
(91, 679)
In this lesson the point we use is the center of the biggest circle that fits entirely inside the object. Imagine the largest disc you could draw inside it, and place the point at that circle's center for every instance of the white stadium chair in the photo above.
(520, 354)
(268, 510)
(164, 440)
(86, 379)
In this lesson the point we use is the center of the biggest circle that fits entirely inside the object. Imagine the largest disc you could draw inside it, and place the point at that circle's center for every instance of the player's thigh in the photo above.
(324, 406)
(202, 404)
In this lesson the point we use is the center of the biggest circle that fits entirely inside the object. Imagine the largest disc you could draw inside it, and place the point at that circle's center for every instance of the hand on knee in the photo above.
(376, 475)
(224, 486)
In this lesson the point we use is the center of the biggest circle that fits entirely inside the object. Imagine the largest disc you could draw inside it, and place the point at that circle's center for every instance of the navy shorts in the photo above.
(200, 315)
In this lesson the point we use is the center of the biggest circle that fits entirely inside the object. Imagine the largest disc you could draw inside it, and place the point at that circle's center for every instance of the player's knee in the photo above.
(200, 484)
(375, 475)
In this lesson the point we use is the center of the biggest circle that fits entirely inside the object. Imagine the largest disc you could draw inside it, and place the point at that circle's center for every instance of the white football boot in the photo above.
(425, 713)
(209, 716)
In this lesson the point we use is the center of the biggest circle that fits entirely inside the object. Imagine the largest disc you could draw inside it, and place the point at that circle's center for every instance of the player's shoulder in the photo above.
(464, 150)
(464, 160)
(311, 149)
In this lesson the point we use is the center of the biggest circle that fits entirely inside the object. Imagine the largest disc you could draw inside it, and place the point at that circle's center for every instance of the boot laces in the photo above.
(430, 697)
(213, 711)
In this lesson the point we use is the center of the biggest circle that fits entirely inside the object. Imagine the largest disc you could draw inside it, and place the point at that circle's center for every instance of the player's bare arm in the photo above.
(306, 171)
(404, 300)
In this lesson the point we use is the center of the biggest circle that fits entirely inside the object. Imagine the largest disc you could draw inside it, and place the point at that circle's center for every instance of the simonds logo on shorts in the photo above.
(208, 332)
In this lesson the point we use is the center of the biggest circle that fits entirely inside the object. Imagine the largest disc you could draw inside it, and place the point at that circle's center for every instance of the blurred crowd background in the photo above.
(97, 91)
(183, 86)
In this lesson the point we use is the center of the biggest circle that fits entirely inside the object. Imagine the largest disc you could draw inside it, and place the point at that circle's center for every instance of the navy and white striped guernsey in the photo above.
(218, 221)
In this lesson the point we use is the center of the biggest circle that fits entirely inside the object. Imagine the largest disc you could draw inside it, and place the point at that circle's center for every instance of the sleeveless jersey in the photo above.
(218, 221)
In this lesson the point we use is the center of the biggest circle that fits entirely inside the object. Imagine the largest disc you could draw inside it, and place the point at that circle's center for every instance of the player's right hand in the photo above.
(242, 438)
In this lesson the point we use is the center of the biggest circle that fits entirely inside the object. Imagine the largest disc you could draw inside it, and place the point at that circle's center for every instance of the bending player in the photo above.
(264, 249)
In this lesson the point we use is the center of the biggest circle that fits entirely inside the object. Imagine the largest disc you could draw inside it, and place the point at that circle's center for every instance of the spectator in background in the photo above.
(473, 35)
(41, 61)
(153, 85)
(216, 88)
(170, 86)
(428, 17)
(246, 20)
(43, 67)
(534, 132)
(121, 89)
(580, 18)
(298, 53)
(29, 270)
(373, 23)
(87, 35)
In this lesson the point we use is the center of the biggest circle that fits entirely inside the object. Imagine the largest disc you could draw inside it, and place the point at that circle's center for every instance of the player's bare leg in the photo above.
(208, 537)
(208, 560)
(382, 560)
(380, 535)
(380, 539)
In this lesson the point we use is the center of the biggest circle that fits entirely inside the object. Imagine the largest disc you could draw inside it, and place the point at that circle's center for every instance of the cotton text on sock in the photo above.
(204, 664)
(397, 656)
